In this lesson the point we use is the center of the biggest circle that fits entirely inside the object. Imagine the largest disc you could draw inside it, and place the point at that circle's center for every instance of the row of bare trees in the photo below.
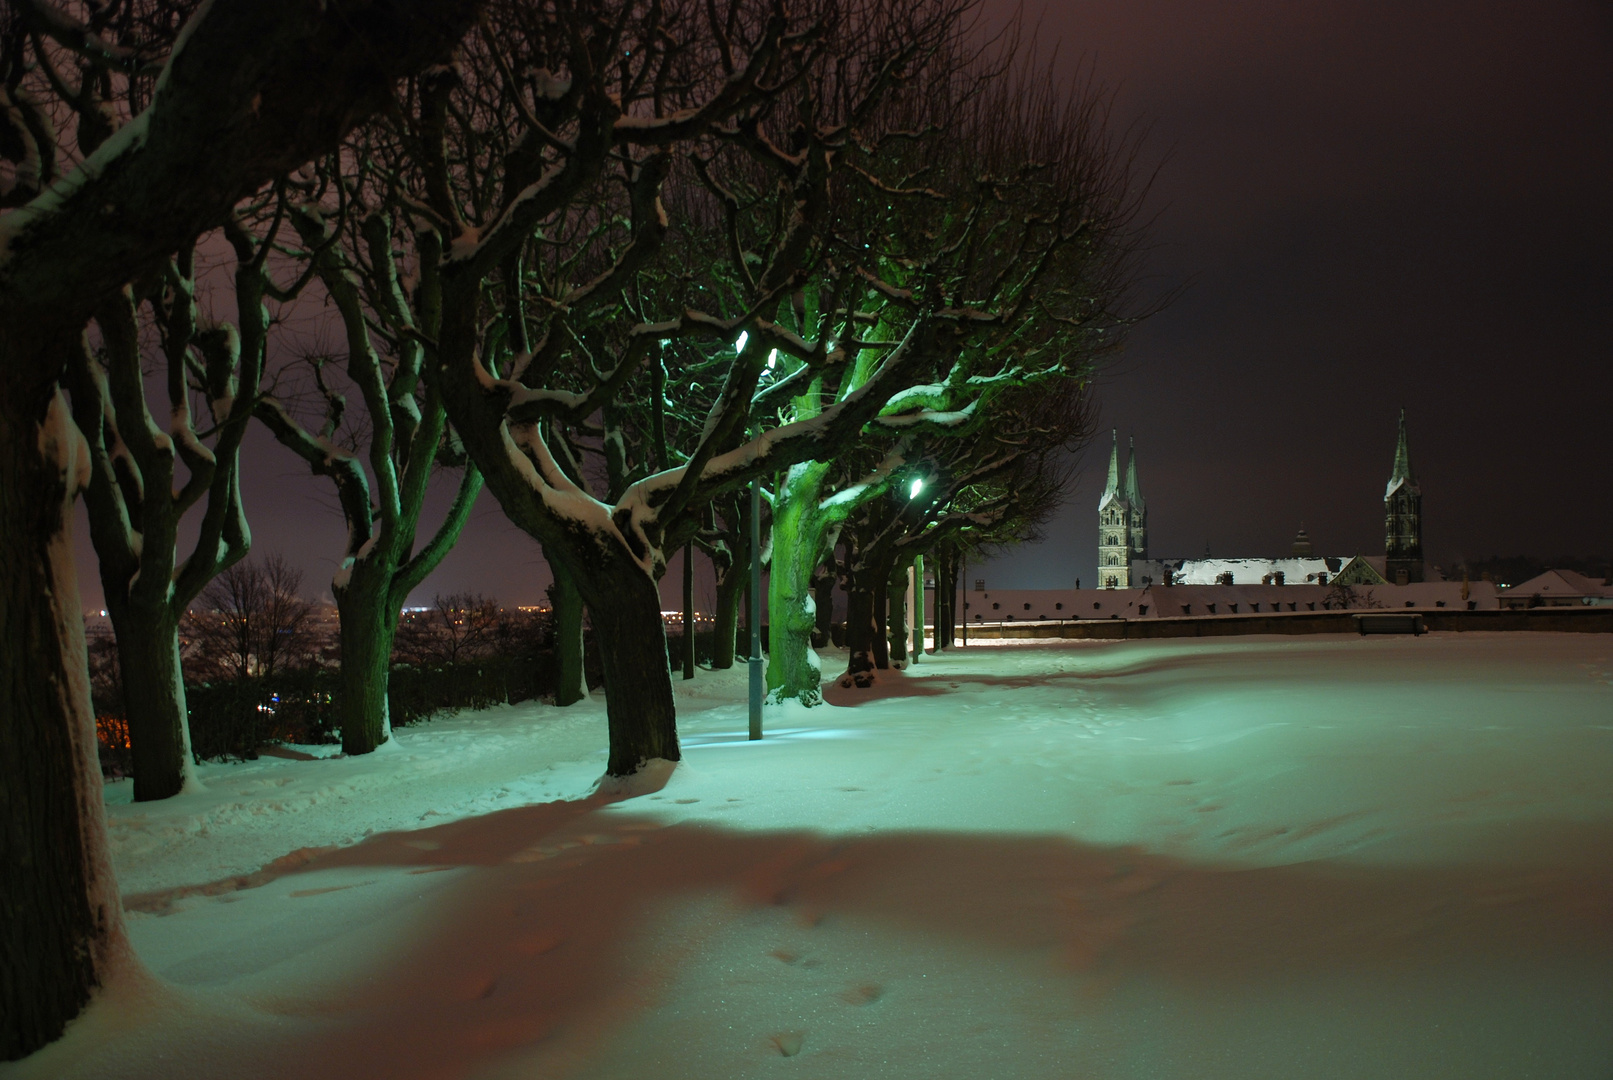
(614, 259)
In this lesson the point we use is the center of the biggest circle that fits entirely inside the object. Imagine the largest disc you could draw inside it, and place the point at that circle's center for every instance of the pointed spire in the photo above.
(1112, 488)
(1134, 495)
(1402, 471)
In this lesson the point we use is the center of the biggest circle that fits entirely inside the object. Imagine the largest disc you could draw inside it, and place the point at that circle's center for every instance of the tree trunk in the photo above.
(896, 613)
(943, 600)
(952, 599)
(369, 624)
(565, 605)
(60, 919)
(793, 668)
(823, 596)
(688, 611)
(730, 591)
(639, 709)
(879, 584)
(153, 698)
(862, 631)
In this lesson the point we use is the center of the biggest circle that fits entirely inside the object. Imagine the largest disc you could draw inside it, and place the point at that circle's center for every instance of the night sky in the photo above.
(1366, 206)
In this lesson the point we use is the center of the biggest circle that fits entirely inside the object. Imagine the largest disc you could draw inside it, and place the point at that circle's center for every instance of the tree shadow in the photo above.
(536, 950)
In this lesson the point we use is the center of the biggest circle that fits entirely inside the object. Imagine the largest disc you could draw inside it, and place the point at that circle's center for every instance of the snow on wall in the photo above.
(1158, 601)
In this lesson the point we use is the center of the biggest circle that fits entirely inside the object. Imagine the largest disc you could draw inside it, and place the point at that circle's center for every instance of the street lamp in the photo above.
(754, 663)
(916, 607)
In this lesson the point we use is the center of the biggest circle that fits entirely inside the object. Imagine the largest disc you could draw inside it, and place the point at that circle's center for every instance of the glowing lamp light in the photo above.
(917, 486)
(772, 359)
(744, 336)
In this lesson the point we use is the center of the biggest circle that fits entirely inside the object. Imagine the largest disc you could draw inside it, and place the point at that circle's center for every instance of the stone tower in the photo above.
(1403, 518)
(1114, 528)
(1138, 508)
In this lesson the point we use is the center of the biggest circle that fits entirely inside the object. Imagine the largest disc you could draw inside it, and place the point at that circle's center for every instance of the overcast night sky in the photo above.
(1367, 206)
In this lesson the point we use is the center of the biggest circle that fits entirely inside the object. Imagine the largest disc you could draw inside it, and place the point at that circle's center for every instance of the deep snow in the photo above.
(1257, 857)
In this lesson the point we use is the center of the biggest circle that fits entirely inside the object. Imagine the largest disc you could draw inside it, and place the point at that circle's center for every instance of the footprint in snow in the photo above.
(862, 994)
(789, 1042)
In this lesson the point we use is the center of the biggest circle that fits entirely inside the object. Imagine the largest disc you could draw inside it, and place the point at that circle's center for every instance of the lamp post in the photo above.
(916, 606)
(757, 685)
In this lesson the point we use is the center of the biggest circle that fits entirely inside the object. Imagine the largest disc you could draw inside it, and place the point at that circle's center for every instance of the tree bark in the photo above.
(731, 586)
(565, 605)
(793, 668)
(369, 623)
(862, 632)
(60, 921)
(896, 614)
(153, 696)
(639, 709)
(878, 583)
(823, 592)
(943, 600)
(939, 605)
(688, 610)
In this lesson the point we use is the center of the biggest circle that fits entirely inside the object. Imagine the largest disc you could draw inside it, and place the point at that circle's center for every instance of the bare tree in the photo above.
(457, 627)
(253, 621)
(993, 488)
(137, 497)
(1005, 215)
(578, 123)
(403, 436)
(86, 212)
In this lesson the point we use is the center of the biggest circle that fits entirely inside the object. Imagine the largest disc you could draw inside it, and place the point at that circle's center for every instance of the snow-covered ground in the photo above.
(1240, 858)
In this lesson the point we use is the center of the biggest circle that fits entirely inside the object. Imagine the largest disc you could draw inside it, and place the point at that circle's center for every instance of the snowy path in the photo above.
(1322, 857)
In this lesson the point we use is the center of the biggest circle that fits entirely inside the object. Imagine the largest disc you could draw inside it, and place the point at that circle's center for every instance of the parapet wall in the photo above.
(1592, 620)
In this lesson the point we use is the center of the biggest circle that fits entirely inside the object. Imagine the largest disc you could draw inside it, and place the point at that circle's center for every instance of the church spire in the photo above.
(1403, 518)
(1112, 488)
(1402, 471)
(1134, 495)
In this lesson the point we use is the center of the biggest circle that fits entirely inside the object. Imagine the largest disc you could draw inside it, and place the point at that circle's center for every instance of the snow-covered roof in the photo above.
(1295, 570)
(1562, 583)
(1162, 601)
(1177, 601)
(1020, 605)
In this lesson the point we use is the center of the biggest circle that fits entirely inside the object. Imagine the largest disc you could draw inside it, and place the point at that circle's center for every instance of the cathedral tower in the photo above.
(1138, 508)
(1403, 518)
(1114, 529)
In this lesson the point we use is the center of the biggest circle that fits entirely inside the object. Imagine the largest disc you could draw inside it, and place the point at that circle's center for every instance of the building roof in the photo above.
(1177, 601)
(1166, 602)
(1296, 570)
(1566, 583)
(1365, 570)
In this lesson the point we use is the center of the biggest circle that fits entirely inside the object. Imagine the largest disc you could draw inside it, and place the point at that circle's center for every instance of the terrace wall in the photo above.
(1593, 620)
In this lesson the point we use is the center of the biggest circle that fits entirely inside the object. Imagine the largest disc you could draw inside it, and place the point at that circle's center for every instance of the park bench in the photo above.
(1396, 622)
